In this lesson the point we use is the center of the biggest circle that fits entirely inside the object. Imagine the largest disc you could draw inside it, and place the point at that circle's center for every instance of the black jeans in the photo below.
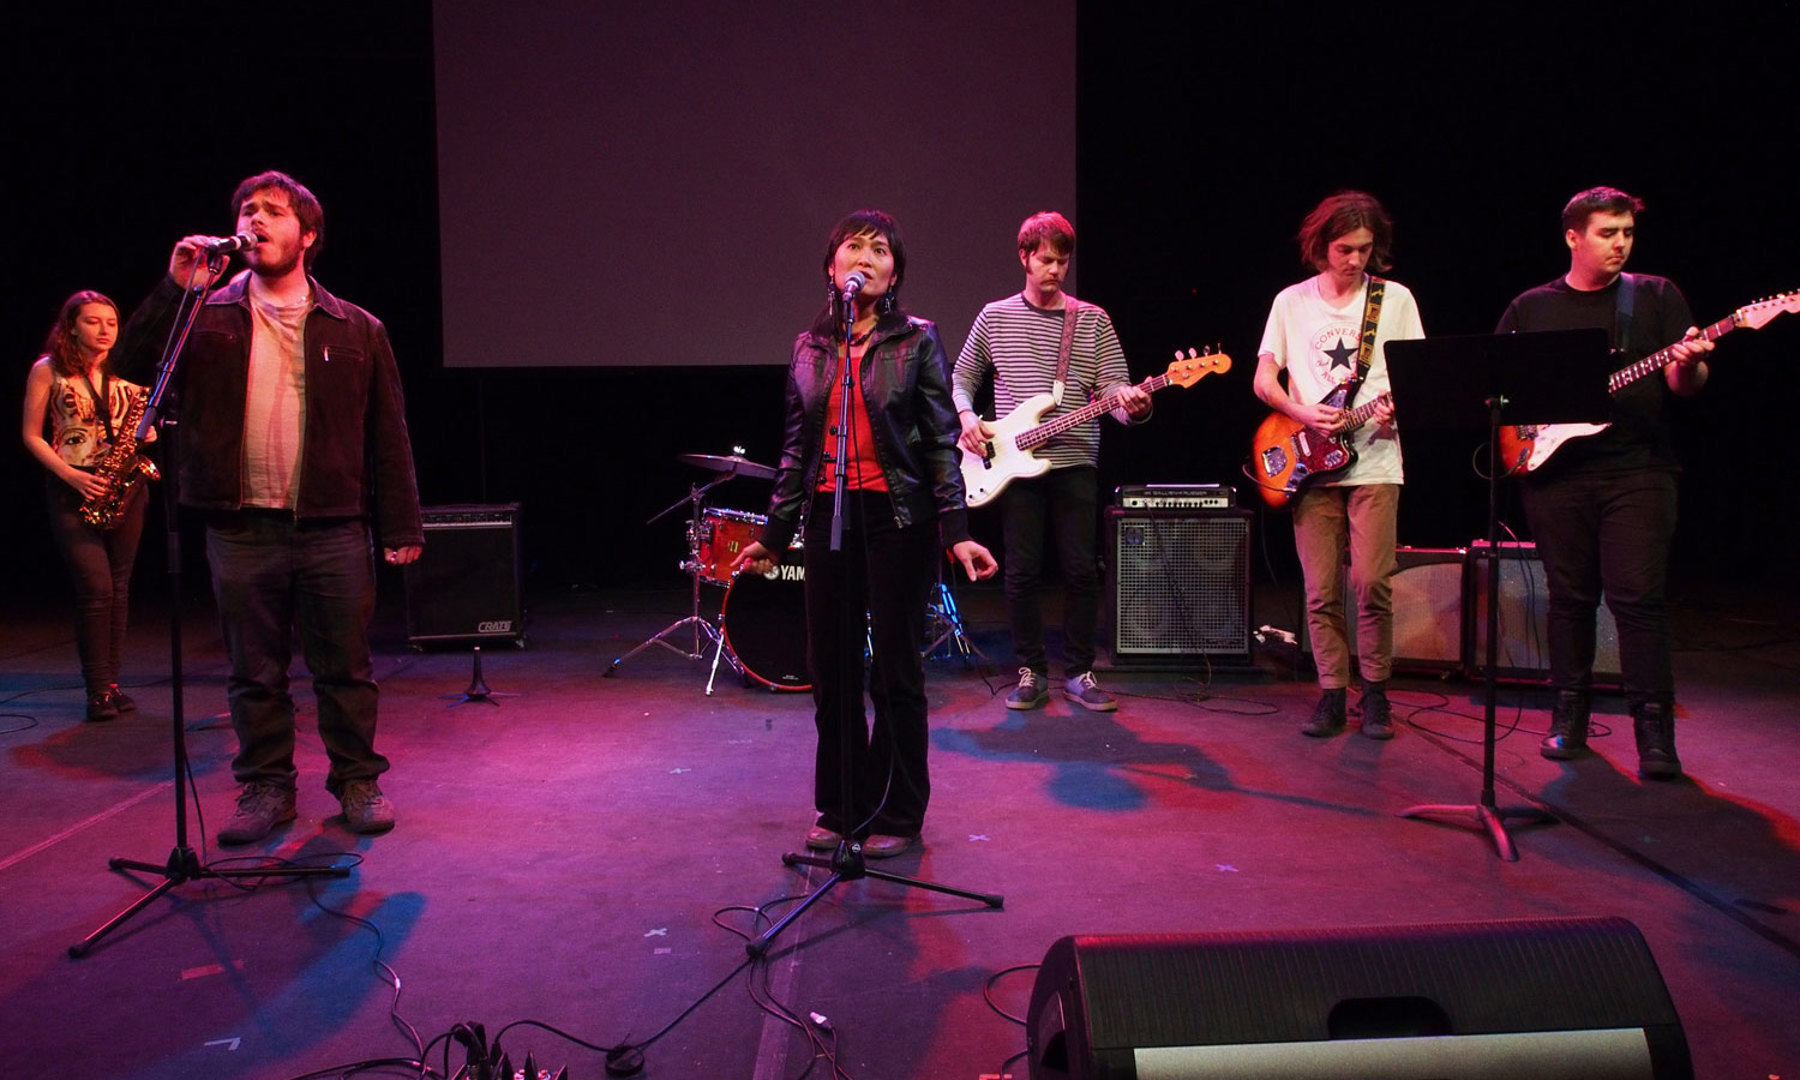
(1607, 534)
(268, 572)
(885, 571)
(1067, 500)
(100, 562)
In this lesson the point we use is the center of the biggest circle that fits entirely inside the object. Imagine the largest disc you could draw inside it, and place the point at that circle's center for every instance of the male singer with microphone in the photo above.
(293, 446)
(1021, 340)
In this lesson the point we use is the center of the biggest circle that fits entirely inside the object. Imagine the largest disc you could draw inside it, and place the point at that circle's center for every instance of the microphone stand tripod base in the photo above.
(847, 863)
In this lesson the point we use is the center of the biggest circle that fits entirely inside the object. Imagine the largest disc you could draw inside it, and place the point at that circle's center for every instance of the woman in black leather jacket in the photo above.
(903, 501)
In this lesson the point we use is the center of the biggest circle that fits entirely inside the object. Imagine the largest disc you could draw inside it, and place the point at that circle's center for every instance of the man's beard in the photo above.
(275, 270)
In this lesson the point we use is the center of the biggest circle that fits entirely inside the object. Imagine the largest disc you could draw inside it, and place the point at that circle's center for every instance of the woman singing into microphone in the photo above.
(904, 502)
(74, 410)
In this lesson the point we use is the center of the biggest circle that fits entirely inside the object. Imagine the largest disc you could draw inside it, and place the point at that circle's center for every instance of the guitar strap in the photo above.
(1622, 323)
(1071, 308)
(1371, 319)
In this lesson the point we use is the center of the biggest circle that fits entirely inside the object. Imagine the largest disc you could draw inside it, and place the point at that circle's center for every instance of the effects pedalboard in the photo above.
(1175, 497)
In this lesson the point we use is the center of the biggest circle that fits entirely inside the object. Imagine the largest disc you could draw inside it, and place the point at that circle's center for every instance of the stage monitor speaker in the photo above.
(465, 588)
(1524, 617)
(1179, 586)
(1580, 999)
(1428, 597)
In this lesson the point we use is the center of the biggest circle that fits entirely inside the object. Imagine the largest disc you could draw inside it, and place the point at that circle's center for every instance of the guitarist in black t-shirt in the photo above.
(1602, 506)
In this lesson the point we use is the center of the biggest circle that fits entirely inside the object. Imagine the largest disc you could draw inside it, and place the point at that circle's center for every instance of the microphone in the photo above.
(226, 245)
(853, 283)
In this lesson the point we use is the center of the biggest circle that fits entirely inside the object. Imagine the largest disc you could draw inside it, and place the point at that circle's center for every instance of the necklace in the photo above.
(858, 339)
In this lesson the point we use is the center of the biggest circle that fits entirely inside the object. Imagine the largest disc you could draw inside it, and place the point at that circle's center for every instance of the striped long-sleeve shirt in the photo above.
(1019, 344)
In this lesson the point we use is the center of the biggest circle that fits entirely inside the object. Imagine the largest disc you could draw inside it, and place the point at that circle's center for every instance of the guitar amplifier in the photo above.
(466, 587)
(1428, 588)
(1179, 586)
(1175, 496)
(1524, 652)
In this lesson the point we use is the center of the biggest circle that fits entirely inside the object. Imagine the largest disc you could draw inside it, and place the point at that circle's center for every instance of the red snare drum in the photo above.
(764, 619)
(724, 534)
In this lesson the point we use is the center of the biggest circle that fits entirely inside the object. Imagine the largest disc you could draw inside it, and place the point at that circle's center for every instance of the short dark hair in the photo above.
(59, 343)
(1047, 227)
(1598, 200)
(306, 205)
(830, 321)
(1342, 213)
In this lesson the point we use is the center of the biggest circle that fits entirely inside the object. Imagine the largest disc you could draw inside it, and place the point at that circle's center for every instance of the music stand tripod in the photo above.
(848, 863)
(1554, 377)
(183, 864)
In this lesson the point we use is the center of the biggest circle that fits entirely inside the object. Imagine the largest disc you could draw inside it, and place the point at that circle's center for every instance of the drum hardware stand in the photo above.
(848, 863)
(947, 627)
(703, 627)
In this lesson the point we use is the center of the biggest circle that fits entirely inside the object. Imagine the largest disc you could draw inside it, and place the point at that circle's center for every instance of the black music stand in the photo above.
(1455, 383)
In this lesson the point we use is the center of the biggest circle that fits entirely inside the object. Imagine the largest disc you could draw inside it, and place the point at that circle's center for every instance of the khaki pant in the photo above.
(1326, 519)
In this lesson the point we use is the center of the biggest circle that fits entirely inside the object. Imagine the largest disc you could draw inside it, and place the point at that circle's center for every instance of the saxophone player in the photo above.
(77, 412)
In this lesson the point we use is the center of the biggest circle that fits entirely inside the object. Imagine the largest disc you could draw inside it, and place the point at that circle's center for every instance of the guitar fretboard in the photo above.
(1050, 429)
(1662, 358)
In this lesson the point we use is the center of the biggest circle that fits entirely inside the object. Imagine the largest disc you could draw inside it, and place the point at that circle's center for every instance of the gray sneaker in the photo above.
(1030, 693)
(260, 807)
(1085, 692)
(366, 809)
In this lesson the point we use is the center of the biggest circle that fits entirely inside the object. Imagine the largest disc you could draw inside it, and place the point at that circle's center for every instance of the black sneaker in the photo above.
(120, 699)
(1085, 692)
(1377, 714)
(1328, 715)
(1030, 693)
(260, 807)
(100, 706)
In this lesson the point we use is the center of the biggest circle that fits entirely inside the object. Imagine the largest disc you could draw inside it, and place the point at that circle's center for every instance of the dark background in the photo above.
(1204, 136)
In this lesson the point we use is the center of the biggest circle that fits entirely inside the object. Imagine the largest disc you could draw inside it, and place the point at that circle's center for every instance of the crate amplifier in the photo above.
(1179, 586)
(465, 588)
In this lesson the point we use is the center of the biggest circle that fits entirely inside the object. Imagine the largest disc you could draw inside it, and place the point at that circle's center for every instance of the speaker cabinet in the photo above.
(1524, 615)
(1428, 598)
(1545, 998)
(1179, 587)
(465, 588)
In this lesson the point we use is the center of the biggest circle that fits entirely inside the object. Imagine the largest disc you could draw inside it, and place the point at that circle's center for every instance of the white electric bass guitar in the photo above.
(1007, 456)
(1525, 447)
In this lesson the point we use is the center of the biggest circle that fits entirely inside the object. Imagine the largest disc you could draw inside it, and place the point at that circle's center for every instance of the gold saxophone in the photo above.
(123, 469)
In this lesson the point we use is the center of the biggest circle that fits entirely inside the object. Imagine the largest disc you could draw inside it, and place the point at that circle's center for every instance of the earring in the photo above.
(885, 305)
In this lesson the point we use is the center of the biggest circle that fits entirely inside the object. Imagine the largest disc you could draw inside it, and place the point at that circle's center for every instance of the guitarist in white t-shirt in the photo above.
(1602, 507)
(1324, 332)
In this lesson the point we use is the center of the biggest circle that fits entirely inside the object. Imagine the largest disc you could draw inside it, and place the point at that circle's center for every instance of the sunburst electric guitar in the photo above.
(1008, 454)
(1286, 455)
(1525, 447)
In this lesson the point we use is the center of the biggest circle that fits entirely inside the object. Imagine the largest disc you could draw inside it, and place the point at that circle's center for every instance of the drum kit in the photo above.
(761, 630)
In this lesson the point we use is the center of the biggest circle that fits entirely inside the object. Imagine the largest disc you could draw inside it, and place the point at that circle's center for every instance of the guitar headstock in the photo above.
(1192, 366)
(1757, 315)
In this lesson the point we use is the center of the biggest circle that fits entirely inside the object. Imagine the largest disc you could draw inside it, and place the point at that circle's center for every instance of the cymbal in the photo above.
(734, 464)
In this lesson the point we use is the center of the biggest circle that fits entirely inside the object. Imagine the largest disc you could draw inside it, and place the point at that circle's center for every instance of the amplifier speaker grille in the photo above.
(1180, 585)
(466, 586)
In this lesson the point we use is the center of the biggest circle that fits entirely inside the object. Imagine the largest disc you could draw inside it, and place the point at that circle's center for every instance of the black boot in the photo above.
(1377, 714)
(1328, 715)
(1654, 723)
(1568, 726)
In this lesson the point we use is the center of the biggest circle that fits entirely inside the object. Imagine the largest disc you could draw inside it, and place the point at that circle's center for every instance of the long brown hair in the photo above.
(59, 344)
(1340, 215)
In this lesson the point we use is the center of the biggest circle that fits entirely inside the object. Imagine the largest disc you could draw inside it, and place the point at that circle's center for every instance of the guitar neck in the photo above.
(1662, 358)
(1362, 413)
(1050, 429)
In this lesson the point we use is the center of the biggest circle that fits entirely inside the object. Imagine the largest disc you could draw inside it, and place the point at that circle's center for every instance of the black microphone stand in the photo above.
(847, 863)
(183, 864)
